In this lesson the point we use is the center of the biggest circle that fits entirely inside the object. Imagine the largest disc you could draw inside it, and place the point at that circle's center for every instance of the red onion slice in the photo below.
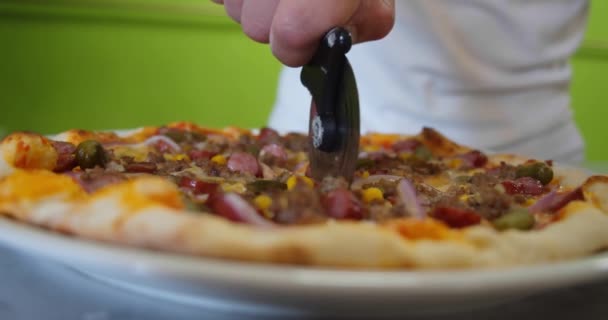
(274, 150)
(99, 182)
(377, 155)
(359, 183)
(244, 162)
(407, 195)
(235, 208)
(75, 175)
(554, 201)
(301, 168)
(267, 172)
(166, 140)
(544, 202)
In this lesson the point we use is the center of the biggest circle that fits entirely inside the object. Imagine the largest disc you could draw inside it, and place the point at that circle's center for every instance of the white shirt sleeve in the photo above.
(493, 74)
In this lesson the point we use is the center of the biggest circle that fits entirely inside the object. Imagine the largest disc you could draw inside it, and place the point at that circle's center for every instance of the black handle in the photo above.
(325, 85)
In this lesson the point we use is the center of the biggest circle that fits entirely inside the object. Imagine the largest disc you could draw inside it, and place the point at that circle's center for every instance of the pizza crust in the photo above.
(26, 151)
(153, 218)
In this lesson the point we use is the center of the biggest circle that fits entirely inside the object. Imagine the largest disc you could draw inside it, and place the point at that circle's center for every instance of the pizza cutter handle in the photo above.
(331, 59)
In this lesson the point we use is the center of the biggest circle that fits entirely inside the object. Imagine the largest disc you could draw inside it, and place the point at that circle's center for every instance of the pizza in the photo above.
(417, 202)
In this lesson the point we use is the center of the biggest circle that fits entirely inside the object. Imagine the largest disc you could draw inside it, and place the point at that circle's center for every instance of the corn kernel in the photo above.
(219, 159)
(464, 197)
(372, 194)
(307, 180)
(405, 155)
(455, 163)
(262, 202)
(371, 148)
(233, 187)
(268, 214)
(175, 157)
(292, 181)
(301, 156)
(365, 174)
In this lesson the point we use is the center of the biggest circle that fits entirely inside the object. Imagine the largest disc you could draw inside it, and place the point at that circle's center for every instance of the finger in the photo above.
(373, 20)
(298, 26)
(256, 18)
(233, 9)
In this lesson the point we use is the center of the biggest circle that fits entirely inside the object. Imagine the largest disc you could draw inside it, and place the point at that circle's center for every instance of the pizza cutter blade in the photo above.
(334, 111)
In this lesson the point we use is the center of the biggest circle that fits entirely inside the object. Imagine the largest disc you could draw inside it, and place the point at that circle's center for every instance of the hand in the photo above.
(294, 27)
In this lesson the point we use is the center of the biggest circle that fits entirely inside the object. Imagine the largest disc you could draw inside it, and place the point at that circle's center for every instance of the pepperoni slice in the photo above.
(456, 218)
(409, 145)
(342, 204)
(273, 153)
(198, 186)
(163, 147)
(474, 159)
(268, 135)
(524, 185)
(66, 156)
(141, 167)
(245, 163)
(200, 155)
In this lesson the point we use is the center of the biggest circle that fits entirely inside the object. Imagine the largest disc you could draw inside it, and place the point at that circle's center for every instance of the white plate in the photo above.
(267, 289)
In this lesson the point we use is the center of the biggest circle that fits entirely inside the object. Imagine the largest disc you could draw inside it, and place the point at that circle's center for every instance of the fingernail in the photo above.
(389, 3)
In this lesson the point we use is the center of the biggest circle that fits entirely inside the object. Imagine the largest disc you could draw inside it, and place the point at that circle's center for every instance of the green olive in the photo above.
(545, 174)
(537, 170)
(365, 163)
(253, 150)
(516, 219)
(423, 154)
(266, 185)
(90, 154)
(462, 179)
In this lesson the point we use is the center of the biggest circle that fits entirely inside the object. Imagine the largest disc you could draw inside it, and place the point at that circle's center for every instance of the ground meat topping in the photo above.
(141, 167)
(302, 204)
(329, 184)
(94, 179)
(296, 142)
(259, 168)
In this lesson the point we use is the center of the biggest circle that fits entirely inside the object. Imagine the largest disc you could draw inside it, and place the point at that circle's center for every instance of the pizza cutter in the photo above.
(334, 109)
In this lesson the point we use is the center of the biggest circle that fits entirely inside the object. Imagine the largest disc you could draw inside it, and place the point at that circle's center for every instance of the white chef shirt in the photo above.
(493, 74)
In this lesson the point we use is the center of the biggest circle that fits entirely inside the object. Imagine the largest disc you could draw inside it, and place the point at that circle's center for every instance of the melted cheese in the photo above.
(143, 192)
(139, 153)
(414, 229)
(37, 184)
(141, 134)
(441, 182)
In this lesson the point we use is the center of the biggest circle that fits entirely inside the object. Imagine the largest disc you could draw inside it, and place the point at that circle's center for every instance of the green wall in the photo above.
(108, 66)
(100, 64)
(589, 91)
